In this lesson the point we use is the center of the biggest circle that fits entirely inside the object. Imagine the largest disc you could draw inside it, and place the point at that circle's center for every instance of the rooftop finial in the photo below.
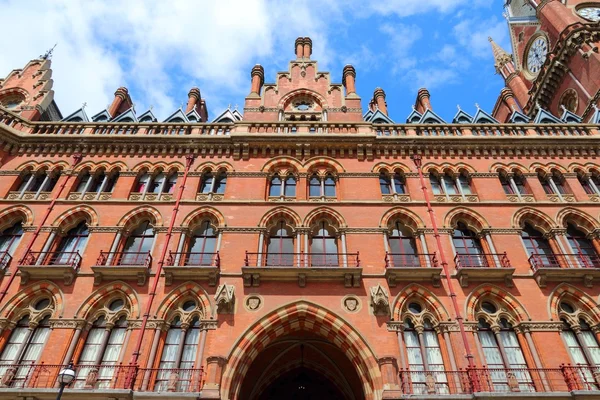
(83, 106)
(48, 54)
(477, 105)
(562, 107)
(458, 106)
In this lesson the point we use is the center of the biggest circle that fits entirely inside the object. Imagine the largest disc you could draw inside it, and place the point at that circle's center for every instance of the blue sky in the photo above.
(159, 49)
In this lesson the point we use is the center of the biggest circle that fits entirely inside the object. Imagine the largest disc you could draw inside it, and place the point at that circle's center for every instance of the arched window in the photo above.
(321, 186)
(72, 245)
(102, 348)
(40, 181)
(138, 245)
(394, 184)
(449, 184)
(324, 248)
(99, 182)
(142, 182)
(329, 186)
(538, 248)
(436, 183)
(589, 182)
(282, 186)
(202, 246)
(399, 183)
(280, 245)
(583, 248)
(157, 183)
(220, 183)
(170, 183)
(385, 183)
(206, 183)
(553, 183)
(468, 247)
(465, 185)
(403, 247)
(520, 182)
(582, 343)
(84, 181)
(275, 188)
(289, 189)
(213, 182)
(9, 240)
(24, 347)
(314, 186)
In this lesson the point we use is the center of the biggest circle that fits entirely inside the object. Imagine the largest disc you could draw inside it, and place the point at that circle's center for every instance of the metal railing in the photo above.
(5, 260)
(574, 260)
(103, 377)
(124, 259)
(302, 259)
(182, 259)
(410, 260)
(483, 260)
(70, 258)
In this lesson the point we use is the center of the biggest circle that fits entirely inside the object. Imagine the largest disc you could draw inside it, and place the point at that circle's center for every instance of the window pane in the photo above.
(384, 184)
(314, 188)
(220, 184)
(206, 183)
(290, 187)
(275, 188)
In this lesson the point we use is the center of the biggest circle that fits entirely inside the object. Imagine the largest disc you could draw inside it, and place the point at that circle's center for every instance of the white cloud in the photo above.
(430, 78)
(473, 35)
(405, 8)
(401, 40)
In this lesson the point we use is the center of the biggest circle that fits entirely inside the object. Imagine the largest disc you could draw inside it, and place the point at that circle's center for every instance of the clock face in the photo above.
(538, 51)
(591, 13)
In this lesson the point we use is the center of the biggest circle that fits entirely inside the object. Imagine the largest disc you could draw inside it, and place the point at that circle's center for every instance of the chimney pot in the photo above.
(299, 47)
(121, 95)
(379, 98)
(258, 78)
(349, 79)
(423, 103)
(193, 99)
(307, 47)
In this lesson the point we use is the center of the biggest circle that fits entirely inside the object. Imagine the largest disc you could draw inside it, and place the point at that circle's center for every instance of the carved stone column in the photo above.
(389, 373)
(214, 372)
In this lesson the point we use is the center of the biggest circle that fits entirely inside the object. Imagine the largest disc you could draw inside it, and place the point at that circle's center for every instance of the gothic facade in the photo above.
(306, 247)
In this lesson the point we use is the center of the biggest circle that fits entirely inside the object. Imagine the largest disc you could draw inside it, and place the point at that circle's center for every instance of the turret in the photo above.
(505, 66)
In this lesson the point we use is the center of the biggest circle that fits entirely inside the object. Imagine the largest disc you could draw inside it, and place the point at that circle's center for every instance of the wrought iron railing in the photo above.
(410, 260)
(124, 259)
(49, 258)
(574, 260)
(302, 260)
(182, 259)
(186, 380)
(483, 260)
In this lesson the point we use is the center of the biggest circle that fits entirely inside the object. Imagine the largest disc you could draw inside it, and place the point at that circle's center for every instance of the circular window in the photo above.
(12, 101)
(189, 305)
(488, 307)
(566, 307)
(415, 308)
(116, 305)
(43, 303)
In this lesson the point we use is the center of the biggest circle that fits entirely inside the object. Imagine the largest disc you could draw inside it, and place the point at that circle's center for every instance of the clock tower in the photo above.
(555, 56)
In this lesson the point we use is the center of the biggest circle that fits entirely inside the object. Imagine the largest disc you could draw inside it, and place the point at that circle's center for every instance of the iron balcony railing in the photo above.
(302, 259)
(49, 258)
(483, 260)
(5, 260)
(410, 260)
(180, 259)
(103, 377)
(565, 379)
(124, 259)
(573, 260)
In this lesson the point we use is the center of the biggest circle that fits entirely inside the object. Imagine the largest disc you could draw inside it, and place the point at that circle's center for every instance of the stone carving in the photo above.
(379, 301)
(351, 304)
(253, 303)
(225, 299)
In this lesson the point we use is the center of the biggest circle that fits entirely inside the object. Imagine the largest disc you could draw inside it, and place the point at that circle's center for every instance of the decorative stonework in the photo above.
(351, 304)
(225, 299)
(253, 302)
(380, 305)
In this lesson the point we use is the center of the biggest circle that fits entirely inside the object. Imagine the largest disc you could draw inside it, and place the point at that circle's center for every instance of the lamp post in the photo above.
(65, 377)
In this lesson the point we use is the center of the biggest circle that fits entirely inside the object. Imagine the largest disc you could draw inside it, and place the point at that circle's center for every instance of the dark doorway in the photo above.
(302, 384)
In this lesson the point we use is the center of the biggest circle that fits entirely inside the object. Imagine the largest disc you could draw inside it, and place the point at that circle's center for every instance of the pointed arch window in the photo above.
(394, 184)
(590, 182)
(207, 182)
(314, 186)
(213, 182)
(403, 247)
(553, 183)
(280, 246)
(202, 245)
(322, 186)
(220, 183)
(586, 254)
(100, 182)
(40, 181)
(138, 245)
(71, 245)
(282, 186)
(9, 240)
(468, 246)
(324, 247)
(538, 248)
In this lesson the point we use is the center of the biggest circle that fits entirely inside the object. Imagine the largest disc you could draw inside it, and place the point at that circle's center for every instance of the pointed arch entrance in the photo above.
(298, 348)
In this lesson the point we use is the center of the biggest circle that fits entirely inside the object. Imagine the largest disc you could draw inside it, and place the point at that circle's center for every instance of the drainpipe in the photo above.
(472, 375)
(189, 160)
(76, 159)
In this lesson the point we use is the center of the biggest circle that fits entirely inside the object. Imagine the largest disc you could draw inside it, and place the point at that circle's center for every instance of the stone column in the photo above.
(214, 372)
(160, 327)
(389, 374)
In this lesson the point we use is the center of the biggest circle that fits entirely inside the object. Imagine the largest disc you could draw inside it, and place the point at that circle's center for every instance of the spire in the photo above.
(501, 57)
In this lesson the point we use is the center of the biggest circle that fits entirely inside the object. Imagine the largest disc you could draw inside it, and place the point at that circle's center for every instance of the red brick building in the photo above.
(307, 248)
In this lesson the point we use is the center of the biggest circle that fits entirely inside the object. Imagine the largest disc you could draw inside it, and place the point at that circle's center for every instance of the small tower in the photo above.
(505, 66)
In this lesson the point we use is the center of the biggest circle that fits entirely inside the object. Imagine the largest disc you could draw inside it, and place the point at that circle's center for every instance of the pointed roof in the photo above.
(148, 116)
(368, 115)
(229, 116)
(429, 117)
(414, 117)
(481, 117)
(77, 116)
(193, 116)
(176, 115)
(501, 57)
(127, 116)
(544, 117)
(102, 116)
(596, 116)
(462, 117)
(517, 117)
(379, 117)
(570, 117)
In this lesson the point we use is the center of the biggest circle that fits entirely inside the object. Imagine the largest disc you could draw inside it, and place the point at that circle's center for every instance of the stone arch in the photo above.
(472, 219)
(408, 217)
(93, 302)
(137, 215)
(107, 166)
(537, 219)
(285, 100)
(191, 289)
(567, 291)
(11, 215)
(151, 167)
(14, 307)
(17, 92)
(329, 214)
(504, 298)
(390, 168)
(71, 217)
(327, 162)
(212, 167)
(290, 163)
(48, 165)
(298, 316)
(581, 219)
(285, 213)
(427, 296)
(214, 215)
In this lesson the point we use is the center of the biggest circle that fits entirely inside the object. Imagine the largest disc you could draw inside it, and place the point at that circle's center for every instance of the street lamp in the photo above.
(65, 377)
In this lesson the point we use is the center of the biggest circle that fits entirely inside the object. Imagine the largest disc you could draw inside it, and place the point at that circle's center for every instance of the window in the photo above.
(282, 186)
(436, 184)
(40, 181)
(101, 349)
(446, 184)
(324, 249)
(385, 183)
(465, 185)
(449, 184)
(10, 238)
(403, 247)
(138, 245)
(170, 183)
(506, 184)
(202, 246)
(160, 183)
(519, 181)
(590, 182)
(72, 244)
(468, 248)
(393, 184)
(314, 186)
(321, 186)
(220, 183)
(206, 183)
(142, 183)
(537, 247)
(280, 246)
(553, 183)
(211, 183)
(584, 250)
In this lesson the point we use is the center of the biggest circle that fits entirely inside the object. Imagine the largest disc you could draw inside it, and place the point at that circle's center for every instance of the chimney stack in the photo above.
(193, 99)
(258, 78)
(299, 44)
(379, 98)
(307, 47)
(423, 104)
(121, 102)
(349, 79)
(303, 47)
